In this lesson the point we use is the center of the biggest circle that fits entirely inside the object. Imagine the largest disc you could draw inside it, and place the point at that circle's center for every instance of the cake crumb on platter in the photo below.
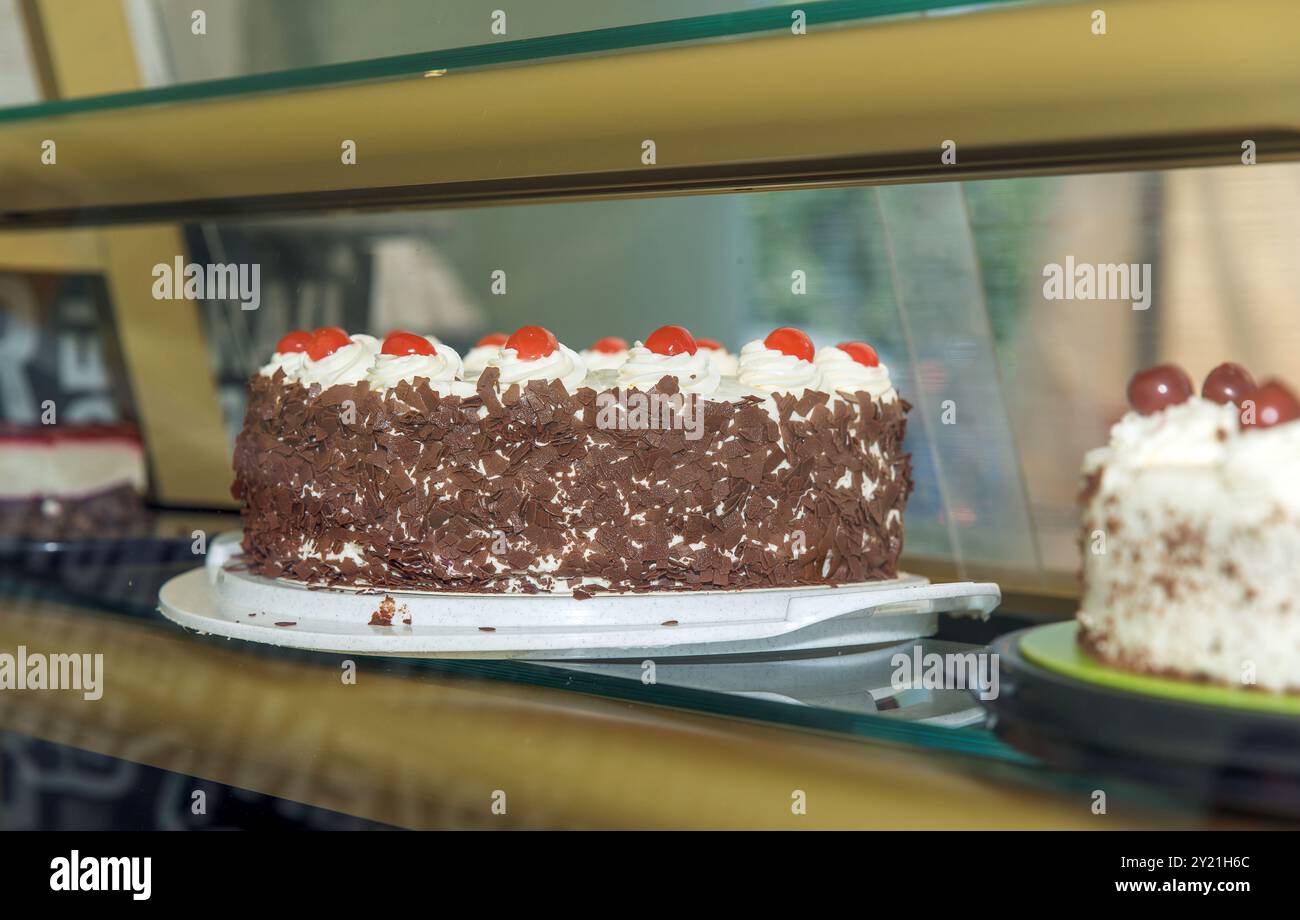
(387, 609)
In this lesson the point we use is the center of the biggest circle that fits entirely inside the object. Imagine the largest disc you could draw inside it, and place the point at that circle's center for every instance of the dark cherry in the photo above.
(1228, 383)
(1275, 404)
(1159, 388)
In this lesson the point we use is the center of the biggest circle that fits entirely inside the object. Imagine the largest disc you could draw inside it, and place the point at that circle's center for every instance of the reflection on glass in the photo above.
(248, 37)
(17, 74)
(946, 280)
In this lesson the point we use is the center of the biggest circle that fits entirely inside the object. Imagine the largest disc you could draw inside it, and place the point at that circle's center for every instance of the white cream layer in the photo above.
(839, 373)
(69, 468)
(291, 362)
(442, 369)
(644, 368)
(348, 365)
(728, 365)
(604, 360)
(564, 364)
(774, 371)
(478, 357)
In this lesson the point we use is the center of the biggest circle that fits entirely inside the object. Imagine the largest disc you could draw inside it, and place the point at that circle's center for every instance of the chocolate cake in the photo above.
(390, 467)
(1191, 532)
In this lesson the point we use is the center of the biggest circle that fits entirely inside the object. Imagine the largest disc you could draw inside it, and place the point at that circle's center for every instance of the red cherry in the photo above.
(861, 352)
(1159, 388)
(671, 340)
(790, 341)
(532, 342)
(339, 329)
(609, 345)
(298, 340)
(1228, 383)
(1274, 404)
(431, 339)
(492, 338)
(326, 341)
(711, 345)
(406, 343)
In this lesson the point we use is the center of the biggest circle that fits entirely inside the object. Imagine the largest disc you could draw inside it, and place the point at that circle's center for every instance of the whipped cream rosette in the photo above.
(780, 363)
(607, 354)
(853, 367)
(406, 356)
(334, 357)
(484, 350)
(669, 351)
(290, 355)
(726, 363)
(533, 353)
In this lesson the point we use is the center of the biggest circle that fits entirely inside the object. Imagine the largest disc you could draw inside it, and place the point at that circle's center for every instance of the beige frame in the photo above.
(82, 47)
(1020, 89)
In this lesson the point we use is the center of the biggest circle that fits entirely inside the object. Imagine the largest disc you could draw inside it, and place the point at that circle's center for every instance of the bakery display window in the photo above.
(460, 387)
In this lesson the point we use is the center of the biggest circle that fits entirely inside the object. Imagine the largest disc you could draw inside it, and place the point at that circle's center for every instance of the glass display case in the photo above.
(900, 172)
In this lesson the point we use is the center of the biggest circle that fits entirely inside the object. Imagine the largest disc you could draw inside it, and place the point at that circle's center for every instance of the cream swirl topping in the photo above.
(291, 362)
(442, 369)
(644, 368)
(564, 364)
(604, 360)
(774, 371)
(728, 365)
(840, 373)
(348, 365)
(478, 357)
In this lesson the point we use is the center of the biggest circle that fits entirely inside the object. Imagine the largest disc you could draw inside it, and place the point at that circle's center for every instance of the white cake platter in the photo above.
(223, 600)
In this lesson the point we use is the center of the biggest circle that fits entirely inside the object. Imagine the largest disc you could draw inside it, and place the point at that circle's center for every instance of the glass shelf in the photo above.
(111, 595)
(844, 693)
(628, 34)
(867, 96)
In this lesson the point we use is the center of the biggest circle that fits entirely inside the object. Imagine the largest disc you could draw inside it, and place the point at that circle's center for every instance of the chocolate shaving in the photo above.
(426, 492)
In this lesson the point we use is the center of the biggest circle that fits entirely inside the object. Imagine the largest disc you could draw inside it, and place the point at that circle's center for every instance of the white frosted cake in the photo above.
(1191, 533)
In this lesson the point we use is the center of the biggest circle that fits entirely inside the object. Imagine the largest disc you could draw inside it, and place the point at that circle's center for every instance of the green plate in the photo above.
(1056, 648)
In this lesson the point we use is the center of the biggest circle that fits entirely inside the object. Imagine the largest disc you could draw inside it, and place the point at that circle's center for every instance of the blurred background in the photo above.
(945, 279)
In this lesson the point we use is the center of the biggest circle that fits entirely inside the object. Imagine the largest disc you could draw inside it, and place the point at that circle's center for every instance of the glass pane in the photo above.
(1009, 388)
(240, 46)
(18, 84)
(974, 493)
